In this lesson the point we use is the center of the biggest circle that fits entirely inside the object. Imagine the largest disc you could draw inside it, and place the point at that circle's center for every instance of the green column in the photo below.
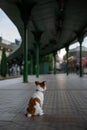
(31, 64)
(80, 36)
(37, 36)
(67, 64)
(81, 73)
(80, 39)
(37, 60)
(54, 55)
(25, 71)
(25, 9)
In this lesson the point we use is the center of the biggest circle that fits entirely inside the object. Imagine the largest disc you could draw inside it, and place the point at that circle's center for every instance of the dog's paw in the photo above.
(28, 115)
(41, 114)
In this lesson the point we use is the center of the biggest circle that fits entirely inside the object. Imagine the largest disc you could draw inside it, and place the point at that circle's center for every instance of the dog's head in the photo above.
(41, 86)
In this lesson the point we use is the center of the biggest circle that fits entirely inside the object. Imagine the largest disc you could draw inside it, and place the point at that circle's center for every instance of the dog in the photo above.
(36, 101)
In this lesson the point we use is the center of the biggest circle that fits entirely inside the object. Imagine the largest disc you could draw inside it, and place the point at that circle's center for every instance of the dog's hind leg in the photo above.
(39, 110)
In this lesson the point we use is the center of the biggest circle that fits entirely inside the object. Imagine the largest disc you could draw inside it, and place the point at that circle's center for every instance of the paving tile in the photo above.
(65, 104)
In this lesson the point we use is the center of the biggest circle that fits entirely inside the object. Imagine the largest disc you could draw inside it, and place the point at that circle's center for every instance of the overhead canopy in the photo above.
(61, 21)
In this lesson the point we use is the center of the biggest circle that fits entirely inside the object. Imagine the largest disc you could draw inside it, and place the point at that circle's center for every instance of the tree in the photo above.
(3, 63)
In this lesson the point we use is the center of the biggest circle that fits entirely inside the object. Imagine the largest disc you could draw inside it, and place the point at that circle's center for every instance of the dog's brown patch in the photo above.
(32, 103)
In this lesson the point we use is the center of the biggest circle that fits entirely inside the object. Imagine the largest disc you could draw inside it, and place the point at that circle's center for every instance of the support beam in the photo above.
(80, 39)
(37, 36)
(67, 64)
(31, 65)
(25, 11)
(37, 60)
(81, 70)
(54, 55)
(25, 72)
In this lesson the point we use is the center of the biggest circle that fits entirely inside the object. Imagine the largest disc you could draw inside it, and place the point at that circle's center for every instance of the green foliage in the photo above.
(3, 64)
(48, 58)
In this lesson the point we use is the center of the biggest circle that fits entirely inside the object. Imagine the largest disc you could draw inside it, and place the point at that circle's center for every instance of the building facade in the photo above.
(9, 46)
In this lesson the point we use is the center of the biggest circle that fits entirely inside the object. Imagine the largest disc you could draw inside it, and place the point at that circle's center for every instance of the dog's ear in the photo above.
(36, 82)
(44, 82)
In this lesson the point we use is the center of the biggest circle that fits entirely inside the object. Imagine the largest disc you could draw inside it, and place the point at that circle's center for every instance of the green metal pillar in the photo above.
(67, 64)
(31, 64)
(54, 55)
(80, 39)
(25, 11)
(37, 36)
(37, 60)
(25, 72)
(81, 71)
(80, 36)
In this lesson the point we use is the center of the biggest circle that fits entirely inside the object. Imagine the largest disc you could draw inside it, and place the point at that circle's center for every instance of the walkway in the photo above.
(65, 105)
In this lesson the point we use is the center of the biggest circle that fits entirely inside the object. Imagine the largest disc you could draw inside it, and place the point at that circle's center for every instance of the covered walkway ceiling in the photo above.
(59, 20)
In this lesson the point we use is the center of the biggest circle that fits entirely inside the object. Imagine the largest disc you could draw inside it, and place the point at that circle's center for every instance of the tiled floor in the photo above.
(65, 104)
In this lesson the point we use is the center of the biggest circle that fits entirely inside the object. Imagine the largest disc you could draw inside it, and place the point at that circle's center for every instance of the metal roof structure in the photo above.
(58, 22)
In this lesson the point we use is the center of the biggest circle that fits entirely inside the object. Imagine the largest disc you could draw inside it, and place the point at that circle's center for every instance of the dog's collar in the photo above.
(39, 91)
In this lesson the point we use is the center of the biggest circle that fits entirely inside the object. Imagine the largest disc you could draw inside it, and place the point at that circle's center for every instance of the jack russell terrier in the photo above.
(36, 101)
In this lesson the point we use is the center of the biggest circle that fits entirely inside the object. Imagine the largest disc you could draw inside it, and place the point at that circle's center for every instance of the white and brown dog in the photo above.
(36, 101)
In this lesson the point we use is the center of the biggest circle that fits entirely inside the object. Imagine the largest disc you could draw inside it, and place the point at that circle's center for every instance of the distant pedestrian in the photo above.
(18, 70)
